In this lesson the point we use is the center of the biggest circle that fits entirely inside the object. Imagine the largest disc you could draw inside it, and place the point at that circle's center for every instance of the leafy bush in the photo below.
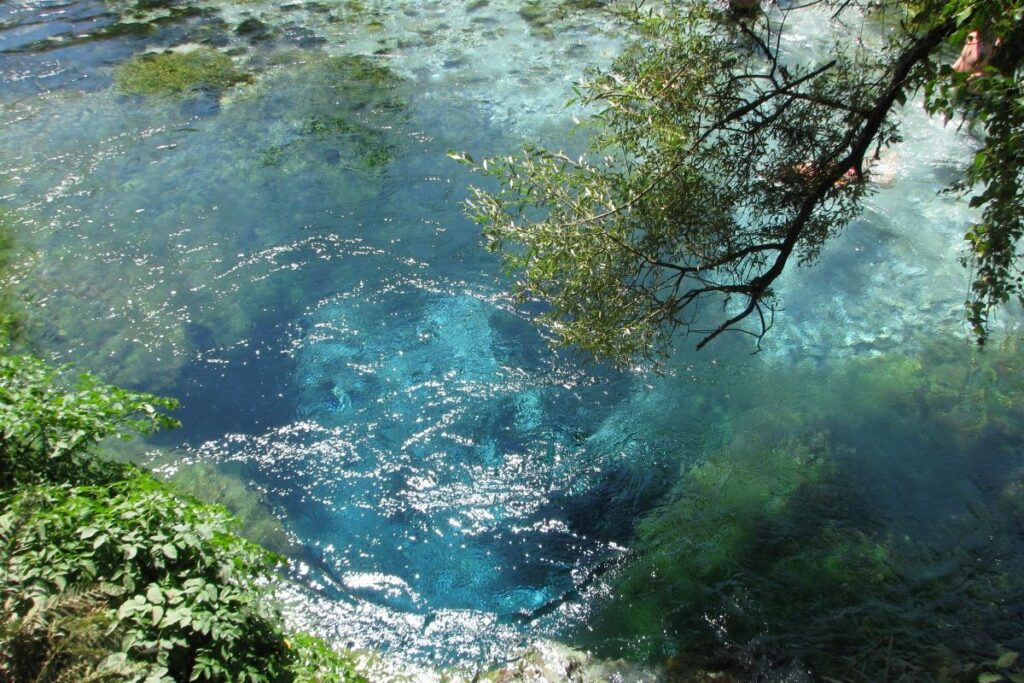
(49, 427)
(107, 574)
(185, 587)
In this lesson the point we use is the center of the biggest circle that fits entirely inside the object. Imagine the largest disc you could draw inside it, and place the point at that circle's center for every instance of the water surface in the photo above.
(290, 259)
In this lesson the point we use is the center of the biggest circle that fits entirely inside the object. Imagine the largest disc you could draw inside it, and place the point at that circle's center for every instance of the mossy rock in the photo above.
(150, 5)
(254, 29)
(535, 14)
(540, 15)
(177, 73)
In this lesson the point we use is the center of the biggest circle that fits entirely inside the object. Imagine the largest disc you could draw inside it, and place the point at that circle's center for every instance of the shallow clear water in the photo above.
(292, 262)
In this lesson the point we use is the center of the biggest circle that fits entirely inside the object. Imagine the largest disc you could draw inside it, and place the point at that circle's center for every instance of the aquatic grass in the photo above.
(768, 551)
(176, 73)
(704, 533)
(349, 124)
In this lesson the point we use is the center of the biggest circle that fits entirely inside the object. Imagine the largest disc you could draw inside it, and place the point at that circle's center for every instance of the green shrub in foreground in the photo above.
(50, 426)
(107, 574)
(184, 586)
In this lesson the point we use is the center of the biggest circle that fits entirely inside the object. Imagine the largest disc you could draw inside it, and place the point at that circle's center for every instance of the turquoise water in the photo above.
(290, 259)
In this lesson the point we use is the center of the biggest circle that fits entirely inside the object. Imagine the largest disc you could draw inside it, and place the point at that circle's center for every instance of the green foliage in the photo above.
(169, 74)
(109, 574)
(51, 426)
(187, 600)
(10, 316)
(316, 662)
(715, 162)
(992, 101)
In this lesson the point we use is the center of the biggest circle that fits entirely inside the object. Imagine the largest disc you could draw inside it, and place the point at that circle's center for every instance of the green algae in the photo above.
(347, 125)
(706, 531)
(540, 16)
(364, 69)
(769, 541)
(171, 73)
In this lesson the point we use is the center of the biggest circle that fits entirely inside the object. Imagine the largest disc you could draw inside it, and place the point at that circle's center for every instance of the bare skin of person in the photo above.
(976, 54)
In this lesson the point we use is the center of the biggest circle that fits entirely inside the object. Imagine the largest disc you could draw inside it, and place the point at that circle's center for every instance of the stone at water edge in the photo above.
(547, 661)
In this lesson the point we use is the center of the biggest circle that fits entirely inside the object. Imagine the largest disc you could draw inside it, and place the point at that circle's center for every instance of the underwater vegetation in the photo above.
(257, 522)
(540, 15)
(174, 73)
(347, 122)
(771, 554)
(335, 123)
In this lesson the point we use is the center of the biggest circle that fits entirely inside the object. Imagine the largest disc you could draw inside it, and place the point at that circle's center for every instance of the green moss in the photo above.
(349, 120)
(273, 156)
(768, 537)
(364, 69)
(178, 73)
(535, 14)
(540, 15)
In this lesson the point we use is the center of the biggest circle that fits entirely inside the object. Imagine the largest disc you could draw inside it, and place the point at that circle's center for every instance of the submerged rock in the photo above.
(205, 105)
(254, 30)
